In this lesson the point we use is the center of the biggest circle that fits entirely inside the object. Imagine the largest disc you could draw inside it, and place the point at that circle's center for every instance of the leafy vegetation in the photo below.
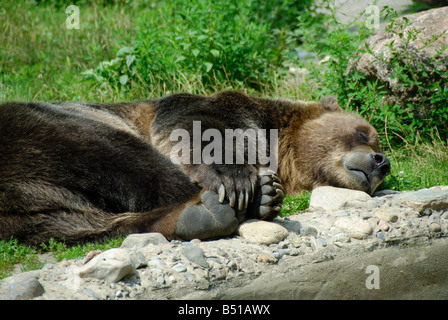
(129, 50)
(13, 253)
(201, 42)
(343, 44)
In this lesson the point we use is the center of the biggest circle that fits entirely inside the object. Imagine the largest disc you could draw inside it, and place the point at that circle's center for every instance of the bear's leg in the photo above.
(206, 220)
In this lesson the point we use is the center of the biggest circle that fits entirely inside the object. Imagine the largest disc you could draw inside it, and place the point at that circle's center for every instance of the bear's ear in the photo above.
(330, 103)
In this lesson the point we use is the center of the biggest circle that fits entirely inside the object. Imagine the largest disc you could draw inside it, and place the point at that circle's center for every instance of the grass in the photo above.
(13, 253)
(40, 60)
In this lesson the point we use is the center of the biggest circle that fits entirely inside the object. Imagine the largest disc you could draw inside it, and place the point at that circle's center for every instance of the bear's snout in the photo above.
(366, 170)
(382, 163)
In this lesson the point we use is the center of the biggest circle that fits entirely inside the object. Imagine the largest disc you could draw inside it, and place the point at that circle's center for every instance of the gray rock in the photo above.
(262, 232)
(110, 266)
(424, 200)
(386, 46)
(138, 259)
(179, 267)
(330, 248)
(321, 241)
(354, 227)
(137, 241)
(331, 198)
(308, 231)
(380, 235)
(195, 254)
(23, 287)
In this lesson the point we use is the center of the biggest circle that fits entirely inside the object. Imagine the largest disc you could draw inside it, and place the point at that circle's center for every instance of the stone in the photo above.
(388, 216)
(331, 198)
(291, 226)
(308, 231)
(354, 227)
(383, 225)
(331, 248)
(111, 266)
(262, 232)
(23, 287)
(266, 258)
(90, 255)
(424, 200)
(138, 259)
(179, 267)
(195, 254)
(428, 24)
(321, 241)
(150, 251)
(137, 241)
(435, 227)
(380, 235)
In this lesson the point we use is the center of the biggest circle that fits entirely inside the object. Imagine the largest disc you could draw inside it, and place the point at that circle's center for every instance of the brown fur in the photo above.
(82, 171)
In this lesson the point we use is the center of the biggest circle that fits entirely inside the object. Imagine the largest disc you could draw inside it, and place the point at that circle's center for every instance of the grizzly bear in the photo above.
(83, 171)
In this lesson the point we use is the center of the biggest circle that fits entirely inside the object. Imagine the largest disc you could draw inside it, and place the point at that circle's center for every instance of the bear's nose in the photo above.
(382, 163)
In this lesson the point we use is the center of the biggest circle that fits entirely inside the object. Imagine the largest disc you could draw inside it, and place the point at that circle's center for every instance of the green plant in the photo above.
(13, 253)
(62, 251)
(295, 204)
(206, 42)
(341, 45)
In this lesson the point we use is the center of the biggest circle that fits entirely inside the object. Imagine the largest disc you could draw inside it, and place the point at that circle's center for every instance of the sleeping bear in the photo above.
(184, 165)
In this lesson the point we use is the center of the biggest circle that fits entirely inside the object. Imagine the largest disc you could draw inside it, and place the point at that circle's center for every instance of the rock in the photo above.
(23, 287)
(321, 247)
(150, 251)
(90, 255)
(342, 237)
(195, 254)
(308, 231)
(424, 200)
(291, 226)
(266, 258)
(428, 23)
(331, 198)
(262, 232)
(354, 227)
(138, 259)
(383, 225)
(140, 240)
(179, 267)
(388, 216)
(110, 266)
(435, 227)
(380, 235)
(321, 241)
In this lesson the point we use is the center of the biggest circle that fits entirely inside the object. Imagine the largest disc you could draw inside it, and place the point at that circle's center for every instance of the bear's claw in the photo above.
(206, 220)
(268, 201)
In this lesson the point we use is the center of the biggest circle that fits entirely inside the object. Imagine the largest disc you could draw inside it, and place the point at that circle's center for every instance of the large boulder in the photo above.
(414, 41)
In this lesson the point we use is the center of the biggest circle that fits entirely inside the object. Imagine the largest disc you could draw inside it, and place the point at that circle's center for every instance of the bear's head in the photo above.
(339, 149)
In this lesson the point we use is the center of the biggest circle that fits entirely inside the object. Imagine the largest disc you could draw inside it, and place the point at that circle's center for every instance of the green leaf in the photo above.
(180, 58)
(208, 66)
(195, 52)
(123, 51)
(124, 79)
(215, 53)
(129, 60)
